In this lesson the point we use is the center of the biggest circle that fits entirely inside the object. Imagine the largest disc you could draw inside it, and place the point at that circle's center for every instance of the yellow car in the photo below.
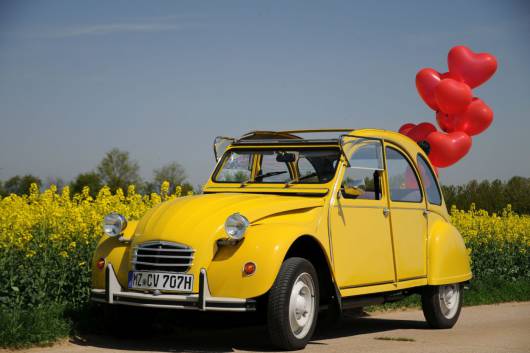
(292, 223)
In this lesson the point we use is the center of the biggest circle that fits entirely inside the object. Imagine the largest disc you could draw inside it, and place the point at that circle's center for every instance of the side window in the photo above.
(362, 179)
(402, 180)
(429, 182)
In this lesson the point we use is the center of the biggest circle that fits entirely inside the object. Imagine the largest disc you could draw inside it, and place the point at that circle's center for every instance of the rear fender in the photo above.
(448, 258)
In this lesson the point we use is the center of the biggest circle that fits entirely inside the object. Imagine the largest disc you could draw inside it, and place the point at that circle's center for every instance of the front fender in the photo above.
(266, 245)
(115, 253)
(448, 259)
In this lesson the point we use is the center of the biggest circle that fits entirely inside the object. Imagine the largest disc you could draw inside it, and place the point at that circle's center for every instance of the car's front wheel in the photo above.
(293, 304)
(442, 305)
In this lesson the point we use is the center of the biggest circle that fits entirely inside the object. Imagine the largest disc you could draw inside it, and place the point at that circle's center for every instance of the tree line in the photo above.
(116, 170)
(491, 196)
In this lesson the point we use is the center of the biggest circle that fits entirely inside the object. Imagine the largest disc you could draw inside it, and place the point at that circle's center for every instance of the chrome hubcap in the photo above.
(449, 298)
(302, 305)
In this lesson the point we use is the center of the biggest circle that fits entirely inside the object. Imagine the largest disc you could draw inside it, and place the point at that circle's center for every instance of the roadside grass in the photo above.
(42, 325)
(481, 292)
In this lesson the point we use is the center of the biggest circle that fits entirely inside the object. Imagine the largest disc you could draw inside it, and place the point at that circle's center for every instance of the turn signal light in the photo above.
(249, 268)
(100, 263)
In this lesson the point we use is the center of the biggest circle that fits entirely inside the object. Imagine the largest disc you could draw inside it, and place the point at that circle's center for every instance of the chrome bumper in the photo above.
(203, 301)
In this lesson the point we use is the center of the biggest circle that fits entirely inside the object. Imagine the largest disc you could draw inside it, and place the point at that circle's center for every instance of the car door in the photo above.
(407, 215)
(359, 223)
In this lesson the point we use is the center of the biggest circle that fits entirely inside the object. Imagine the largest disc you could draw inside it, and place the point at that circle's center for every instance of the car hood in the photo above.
(194, 220)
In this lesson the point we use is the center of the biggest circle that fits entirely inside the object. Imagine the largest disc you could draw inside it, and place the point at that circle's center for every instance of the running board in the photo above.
(359, 301)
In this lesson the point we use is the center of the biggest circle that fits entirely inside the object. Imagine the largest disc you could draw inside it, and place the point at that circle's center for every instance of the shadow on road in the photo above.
(230, 335)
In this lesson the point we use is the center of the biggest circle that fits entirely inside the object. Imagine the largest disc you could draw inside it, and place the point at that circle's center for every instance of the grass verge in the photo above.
(481, 292)
(39, 326)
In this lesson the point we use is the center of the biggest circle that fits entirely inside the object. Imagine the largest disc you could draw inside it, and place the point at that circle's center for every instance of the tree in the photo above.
(58, 182)
(117, 170)
(173, 172)
(491, 196)
(186, 188)
(20, 185)
(90, 179)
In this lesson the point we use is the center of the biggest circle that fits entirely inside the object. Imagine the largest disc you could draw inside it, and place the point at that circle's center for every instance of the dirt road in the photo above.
(492, 328)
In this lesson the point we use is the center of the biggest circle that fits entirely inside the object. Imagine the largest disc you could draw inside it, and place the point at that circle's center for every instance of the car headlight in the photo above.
(114, 224)
(235, 226)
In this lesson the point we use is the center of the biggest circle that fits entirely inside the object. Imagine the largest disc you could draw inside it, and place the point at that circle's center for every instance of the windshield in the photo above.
(296, 166)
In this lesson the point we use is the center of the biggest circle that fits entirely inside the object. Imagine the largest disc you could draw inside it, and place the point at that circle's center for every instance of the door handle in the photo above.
(386, 211)
(426, 212)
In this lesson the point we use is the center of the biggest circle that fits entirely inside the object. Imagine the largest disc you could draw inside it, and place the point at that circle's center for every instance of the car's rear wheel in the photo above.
(442, 305)
(293, 304)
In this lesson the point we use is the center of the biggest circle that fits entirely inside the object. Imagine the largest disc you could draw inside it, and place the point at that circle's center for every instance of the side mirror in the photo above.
(352, 192)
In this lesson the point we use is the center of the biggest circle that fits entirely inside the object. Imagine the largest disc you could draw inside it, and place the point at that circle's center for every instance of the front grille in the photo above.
(162, 256)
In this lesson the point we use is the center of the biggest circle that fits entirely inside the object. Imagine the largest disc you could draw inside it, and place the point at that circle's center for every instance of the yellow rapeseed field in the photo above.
(47, 239)
(68, 219)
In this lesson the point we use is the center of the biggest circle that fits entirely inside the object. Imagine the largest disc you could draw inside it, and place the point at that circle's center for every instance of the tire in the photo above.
(442, 305)
(295, 289)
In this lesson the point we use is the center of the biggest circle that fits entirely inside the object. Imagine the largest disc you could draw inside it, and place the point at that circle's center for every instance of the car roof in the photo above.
(314, 137)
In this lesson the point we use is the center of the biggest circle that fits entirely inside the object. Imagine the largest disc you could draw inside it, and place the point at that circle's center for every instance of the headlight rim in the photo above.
(244, 220)
(119, 229)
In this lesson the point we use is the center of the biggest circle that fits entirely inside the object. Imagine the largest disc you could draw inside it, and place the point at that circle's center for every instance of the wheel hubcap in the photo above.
(302, 305)
(449, 299)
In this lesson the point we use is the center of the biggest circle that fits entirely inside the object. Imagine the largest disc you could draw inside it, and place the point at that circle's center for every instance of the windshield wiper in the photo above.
(291, 182)
(269, 174)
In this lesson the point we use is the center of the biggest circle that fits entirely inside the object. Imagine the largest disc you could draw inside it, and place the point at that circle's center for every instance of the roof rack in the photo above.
(292, 141)
(287, 137)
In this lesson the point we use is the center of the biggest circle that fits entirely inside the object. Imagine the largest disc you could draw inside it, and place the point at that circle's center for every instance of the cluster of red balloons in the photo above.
(458, 113)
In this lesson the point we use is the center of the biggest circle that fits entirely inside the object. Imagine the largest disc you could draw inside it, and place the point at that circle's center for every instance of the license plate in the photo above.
(160, 280)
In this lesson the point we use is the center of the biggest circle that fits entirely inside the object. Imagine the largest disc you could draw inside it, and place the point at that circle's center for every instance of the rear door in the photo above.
(407, 215)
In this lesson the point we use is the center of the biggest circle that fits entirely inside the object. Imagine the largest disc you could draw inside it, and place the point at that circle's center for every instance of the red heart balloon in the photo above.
(421, 131)
(447, 149)
(406, 128)
(472, 68)
(426, 81)
(445, 122)
(475, 119)
(452, 96)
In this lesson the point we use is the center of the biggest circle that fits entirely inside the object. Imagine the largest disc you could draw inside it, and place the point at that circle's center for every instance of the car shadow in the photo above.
(236, 335)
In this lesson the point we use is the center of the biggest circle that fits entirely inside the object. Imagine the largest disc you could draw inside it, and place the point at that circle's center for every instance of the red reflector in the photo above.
(100, 263)
(249, 268)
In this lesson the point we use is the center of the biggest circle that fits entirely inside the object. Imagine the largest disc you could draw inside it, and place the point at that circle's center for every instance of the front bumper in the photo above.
(203, 301)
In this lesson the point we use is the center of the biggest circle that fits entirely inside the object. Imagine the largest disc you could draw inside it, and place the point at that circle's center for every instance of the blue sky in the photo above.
(161, 79)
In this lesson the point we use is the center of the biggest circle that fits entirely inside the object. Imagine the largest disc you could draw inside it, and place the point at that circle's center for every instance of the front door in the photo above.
(360, 226)
(409, 223)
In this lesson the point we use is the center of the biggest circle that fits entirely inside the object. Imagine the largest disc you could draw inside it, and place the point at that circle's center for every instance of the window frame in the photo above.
(418, 156)
(257, 159)
(414, 170)
(382, 172)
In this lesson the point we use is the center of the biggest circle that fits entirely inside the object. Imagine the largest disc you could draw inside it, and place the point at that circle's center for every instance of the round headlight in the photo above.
(235, 226)
(114, 224)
